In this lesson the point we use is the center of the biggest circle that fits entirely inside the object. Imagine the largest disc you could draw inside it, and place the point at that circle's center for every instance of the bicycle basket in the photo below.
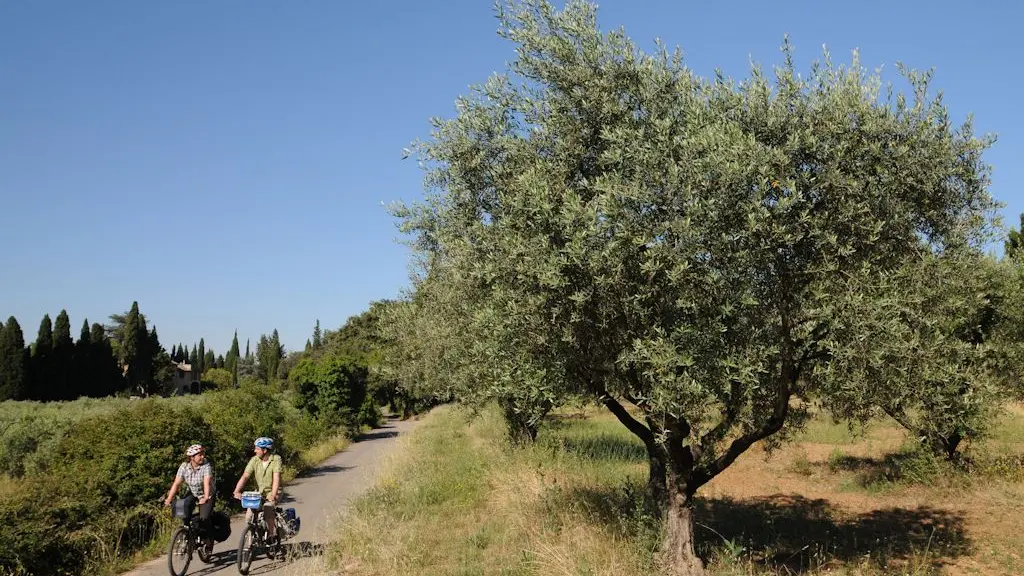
(251, 500)
(180, 508)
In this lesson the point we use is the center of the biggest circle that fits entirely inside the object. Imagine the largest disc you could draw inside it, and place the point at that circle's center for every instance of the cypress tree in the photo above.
(209, 361)
(231, 361)
(317, 338)
(309, 346)
(82, 381)
(193, 359)
(136, 351)
(63, 356)
(202, 356)
(105, 368)
(41, 366)
(13, 365)
(247, 355)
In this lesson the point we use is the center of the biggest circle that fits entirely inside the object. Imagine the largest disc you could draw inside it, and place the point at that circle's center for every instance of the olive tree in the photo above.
(943, 368)
(685, 250)
(431, 351)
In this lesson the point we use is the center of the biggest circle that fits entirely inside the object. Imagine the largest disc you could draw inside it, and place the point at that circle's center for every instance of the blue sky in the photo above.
(225, 163)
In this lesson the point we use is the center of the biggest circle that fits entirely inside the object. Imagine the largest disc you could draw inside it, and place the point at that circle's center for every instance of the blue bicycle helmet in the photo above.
(264, 442)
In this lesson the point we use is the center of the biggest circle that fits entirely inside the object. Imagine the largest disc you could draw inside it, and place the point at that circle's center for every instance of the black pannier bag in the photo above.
(220, 524)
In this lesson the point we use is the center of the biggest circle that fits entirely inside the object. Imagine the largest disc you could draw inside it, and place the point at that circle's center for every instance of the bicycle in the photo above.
(254, 535)
(186, 540)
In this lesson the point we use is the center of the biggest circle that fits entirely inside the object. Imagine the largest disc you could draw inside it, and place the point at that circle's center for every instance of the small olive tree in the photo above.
(942, 369)
(608, 222)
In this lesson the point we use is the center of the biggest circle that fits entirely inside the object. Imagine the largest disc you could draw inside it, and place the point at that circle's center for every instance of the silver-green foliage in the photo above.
(601, 220)
(926, 345)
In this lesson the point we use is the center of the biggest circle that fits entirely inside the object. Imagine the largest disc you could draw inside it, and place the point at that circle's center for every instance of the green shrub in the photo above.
(369, 413)
(129, 457)
(218, 378)
(236, 417)
(27, 444)
(305, 431)
(40, 525)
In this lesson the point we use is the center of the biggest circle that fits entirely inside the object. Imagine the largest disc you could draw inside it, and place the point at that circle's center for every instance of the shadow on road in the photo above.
(221, 561)
(322, 470)
(377, 434)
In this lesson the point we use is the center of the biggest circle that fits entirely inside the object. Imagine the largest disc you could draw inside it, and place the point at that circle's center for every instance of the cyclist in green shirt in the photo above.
(266, 468)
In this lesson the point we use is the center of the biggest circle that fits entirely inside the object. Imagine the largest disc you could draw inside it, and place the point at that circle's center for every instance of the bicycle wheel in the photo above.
(179, 555)
(246, 549)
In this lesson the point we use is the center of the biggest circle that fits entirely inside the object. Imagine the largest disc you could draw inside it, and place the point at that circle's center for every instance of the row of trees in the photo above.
(708, 259)
(124, 356)
(55, 367)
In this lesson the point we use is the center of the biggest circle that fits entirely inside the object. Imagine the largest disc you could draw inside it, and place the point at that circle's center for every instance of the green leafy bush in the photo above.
(237, 417)
(27, 444)
(129, 457)
(331, 387)
(40, 525)
(219, 378)
(305, 431)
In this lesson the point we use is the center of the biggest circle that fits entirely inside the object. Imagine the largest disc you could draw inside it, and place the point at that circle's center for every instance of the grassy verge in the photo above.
(456, 499)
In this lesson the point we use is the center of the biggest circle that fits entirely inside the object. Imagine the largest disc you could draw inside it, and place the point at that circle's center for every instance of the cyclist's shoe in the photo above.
(208, 544)
(272, 547)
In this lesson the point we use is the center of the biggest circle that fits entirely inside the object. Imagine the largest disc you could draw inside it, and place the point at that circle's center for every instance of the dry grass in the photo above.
(456, 499)
(319, 452)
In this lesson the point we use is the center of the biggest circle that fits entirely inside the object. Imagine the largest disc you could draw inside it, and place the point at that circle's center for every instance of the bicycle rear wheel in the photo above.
(179, 555)
(246, 549)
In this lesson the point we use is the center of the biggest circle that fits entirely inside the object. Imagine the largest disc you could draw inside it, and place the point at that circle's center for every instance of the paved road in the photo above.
(319, 497)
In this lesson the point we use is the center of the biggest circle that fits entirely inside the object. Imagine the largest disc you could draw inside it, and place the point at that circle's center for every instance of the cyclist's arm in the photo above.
(274, 486)
(174, 490)
(207, 489)
(240, 485)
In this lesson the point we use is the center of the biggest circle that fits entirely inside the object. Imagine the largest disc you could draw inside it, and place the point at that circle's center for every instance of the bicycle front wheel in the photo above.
(246, 549)
(180, 553)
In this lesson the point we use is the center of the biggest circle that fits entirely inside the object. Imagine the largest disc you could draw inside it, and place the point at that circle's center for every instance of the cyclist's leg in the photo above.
(190, 504)
(270, 516)
(205, 510)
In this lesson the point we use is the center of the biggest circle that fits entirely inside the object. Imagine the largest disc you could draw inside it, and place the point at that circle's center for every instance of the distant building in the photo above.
(185, 381)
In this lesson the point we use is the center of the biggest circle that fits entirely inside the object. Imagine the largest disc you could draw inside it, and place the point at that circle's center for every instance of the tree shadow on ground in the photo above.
(790, 533)
(323, 471)
(908, 466)
(378, 434)
(801, 534)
